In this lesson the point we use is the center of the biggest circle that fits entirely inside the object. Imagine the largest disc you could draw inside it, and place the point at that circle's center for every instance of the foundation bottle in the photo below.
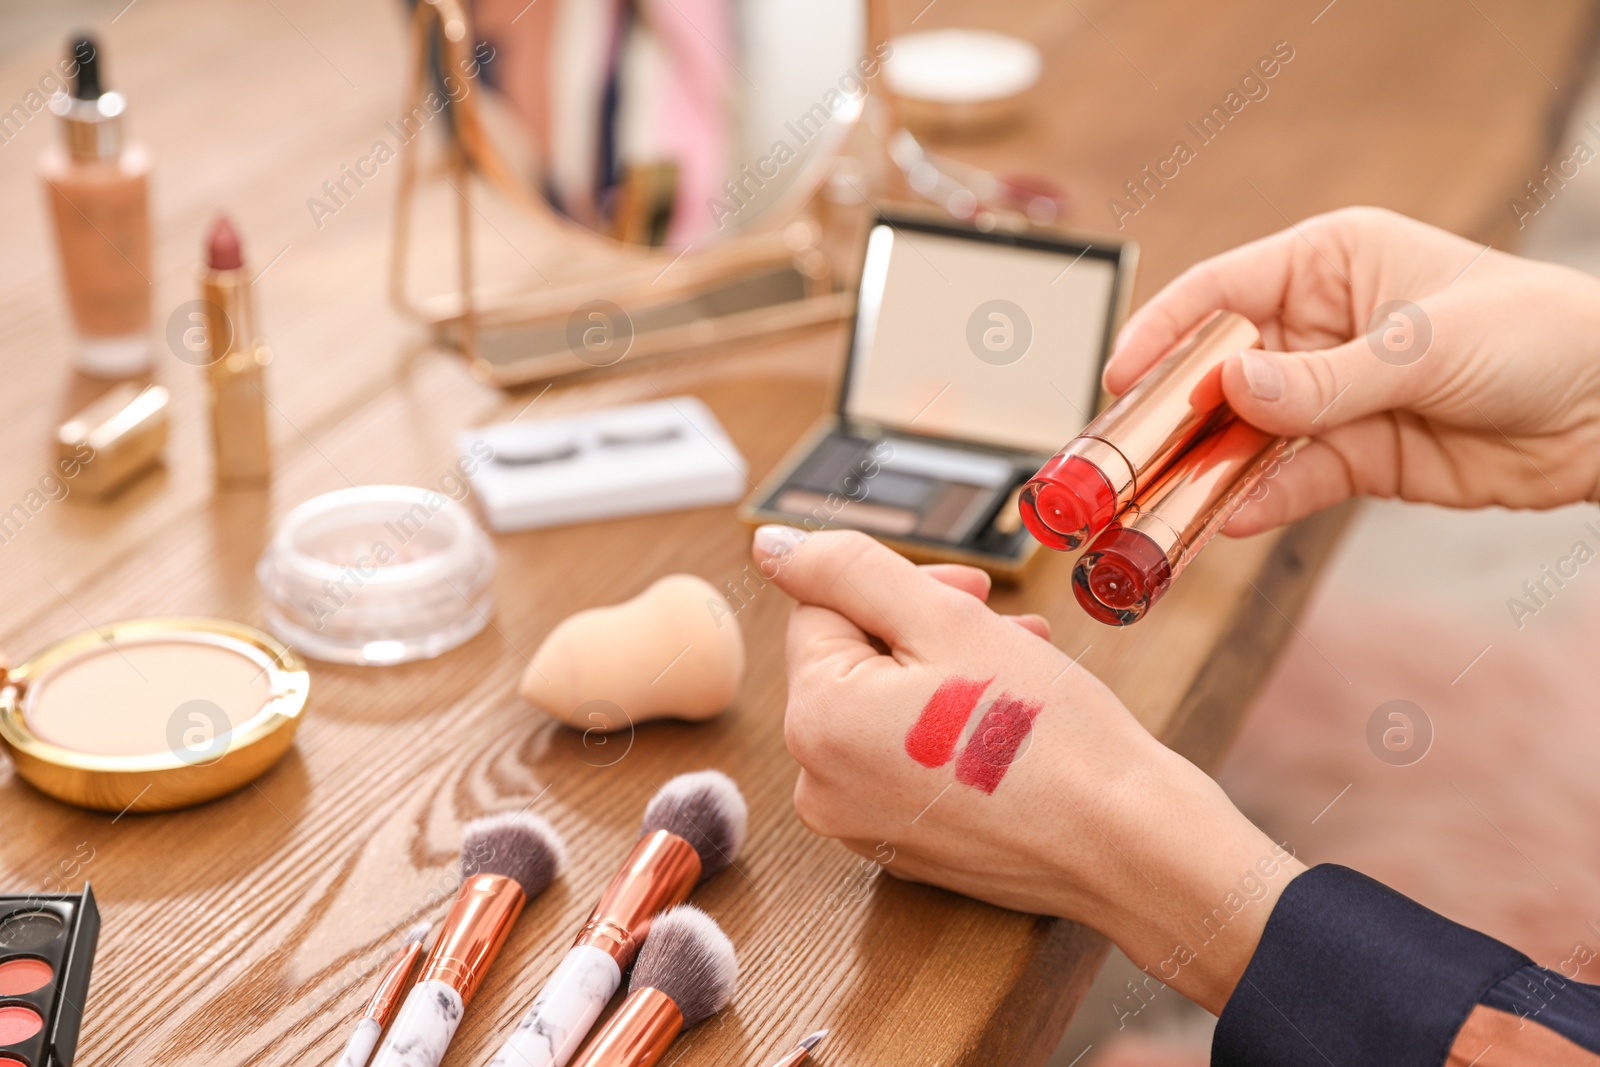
(98, 188)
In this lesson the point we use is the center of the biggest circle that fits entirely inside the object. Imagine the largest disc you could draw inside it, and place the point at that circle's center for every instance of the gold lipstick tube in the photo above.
(661, 871)
(1130, 565)
(236, 375)
(471, 935)
(1102, 470)
(638, 1035)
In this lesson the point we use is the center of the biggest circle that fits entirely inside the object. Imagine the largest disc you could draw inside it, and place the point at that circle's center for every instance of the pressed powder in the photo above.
(151, 714)
(123, 701)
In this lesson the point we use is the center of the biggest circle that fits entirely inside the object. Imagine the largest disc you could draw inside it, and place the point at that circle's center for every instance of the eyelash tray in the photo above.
(377, 575)
(662, 455)
(47, 944)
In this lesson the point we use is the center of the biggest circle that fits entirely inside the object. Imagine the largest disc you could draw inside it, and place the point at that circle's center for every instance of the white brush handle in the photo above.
(424, 1027)
(362, 1042)
(563, 1012)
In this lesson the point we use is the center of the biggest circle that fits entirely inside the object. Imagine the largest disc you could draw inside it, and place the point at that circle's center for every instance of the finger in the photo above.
(1034, 624)
(1296, 393)
(821, 640)
(972, 580)
(1249, 280)
(877, 589)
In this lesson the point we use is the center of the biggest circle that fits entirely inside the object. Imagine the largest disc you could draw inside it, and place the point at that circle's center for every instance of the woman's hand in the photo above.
(1423, 366)
(992, 765)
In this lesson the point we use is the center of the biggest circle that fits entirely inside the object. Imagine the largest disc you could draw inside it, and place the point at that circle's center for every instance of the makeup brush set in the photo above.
(684, 968)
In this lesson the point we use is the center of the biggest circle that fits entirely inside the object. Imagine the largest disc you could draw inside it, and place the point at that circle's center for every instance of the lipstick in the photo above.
(1083, 487)
(235, 362)
(1135, 559)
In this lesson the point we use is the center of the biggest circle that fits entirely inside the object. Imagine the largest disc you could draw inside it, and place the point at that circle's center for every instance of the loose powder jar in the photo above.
(378, 574)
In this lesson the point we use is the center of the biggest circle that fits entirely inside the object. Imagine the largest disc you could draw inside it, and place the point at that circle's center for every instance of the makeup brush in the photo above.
(506, 860)
(685, 974)
(693, 827)
(380, 1010)
(802, 1050)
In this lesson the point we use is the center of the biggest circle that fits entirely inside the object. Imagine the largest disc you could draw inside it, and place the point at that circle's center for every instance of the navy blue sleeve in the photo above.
(1350, 972)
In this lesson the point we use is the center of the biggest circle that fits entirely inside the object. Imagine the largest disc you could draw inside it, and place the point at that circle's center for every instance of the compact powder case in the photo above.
(151, 714)
(975, 353)
(47, 944)
(378, 574)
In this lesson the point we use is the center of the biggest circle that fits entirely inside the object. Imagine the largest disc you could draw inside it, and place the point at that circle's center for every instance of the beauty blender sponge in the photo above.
(672, 652)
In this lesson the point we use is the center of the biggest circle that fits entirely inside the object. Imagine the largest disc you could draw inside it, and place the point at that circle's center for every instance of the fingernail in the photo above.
(1262, 375)
(778, 540)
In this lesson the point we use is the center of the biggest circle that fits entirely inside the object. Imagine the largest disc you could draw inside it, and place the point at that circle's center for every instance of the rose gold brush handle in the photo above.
(638, 1035)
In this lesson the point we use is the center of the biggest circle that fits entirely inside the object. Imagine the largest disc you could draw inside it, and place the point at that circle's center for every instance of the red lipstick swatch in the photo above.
(931, 741)
(994, 744)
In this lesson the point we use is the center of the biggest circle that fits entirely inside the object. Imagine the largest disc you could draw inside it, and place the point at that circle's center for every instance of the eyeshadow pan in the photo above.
(893, 490)
(22, 976)
(825, 468)
(29, 930)
(862, 516)
(18, 1023)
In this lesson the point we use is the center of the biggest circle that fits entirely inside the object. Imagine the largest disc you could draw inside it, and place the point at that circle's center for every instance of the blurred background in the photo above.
(1490, 819)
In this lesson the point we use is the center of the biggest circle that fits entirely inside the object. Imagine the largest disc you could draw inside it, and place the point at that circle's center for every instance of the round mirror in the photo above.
(667, 122)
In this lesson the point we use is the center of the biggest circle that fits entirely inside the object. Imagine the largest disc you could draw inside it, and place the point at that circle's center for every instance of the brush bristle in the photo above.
(518, 845)
(689, 958)
(811, 1041)
(418, 933)
(707, 810)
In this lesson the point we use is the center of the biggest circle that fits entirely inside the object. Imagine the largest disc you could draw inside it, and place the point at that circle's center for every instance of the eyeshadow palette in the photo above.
(975, 355)
(47, 944)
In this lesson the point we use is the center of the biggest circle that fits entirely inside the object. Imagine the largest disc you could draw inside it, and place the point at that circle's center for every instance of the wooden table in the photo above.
(245, 931)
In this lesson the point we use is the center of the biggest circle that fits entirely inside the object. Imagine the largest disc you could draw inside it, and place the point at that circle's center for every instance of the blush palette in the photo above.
(47, 944)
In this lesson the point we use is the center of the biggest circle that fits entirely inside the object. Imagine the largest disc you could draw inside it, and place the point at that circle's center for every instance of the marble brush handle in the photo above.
(563, 1012)
(422, 1031)
(362, 1042)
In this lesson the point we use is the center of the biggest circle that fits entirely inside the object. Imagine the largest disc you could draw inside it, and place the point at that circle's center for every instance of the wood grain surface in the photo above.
(246, 932)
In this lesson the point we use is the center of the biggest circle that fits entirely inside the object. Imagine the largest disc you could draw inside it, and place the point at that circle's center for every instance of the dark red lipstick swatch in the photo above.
(931, 741)
(994, 744)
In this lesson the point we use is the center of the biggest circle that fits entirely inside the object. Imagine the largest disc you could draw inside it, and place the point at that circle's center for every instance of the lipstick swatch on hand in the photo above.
(931, 741)
(994, 744)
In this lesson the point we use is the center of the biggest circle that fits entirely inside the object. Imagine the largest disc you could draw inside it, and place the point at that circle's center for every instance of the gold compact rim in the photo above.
(164, 780)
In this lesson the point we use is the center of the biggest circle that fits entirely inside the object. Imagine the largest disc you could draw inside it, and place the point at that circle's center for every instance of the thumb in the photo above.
(1295, 393)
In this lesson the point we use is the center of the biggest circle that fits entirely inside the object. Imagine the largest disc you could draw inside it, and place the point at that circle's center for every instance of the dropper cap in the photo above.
(91, 118)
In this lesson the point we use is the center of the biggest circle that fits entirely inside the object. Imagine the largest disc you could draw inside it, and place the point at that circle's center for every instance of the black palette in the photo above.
(59, 931)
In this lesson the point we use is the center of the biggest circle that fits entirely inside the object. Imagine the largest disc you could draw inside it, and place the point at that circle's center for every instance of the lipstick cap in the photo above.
(113, 439)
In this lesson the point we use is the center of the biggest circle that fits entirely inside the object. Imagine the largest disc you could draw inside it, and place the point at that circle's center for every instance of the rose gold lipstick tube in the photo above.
(661, 871)
(1135, 559)
(1126, 447)
(638, 1035)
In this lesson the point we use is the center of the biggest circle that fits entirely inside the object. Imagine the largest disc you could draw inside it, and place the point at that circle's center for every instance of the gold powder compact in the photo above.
(151, 714)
